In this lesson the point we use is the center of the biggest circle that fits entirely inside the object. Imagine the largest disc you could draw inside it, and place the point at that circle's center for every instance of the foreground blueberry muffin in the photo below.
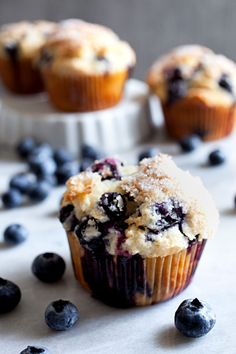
(136, 233)
(19, 47)
(197, 90)
(85, 66)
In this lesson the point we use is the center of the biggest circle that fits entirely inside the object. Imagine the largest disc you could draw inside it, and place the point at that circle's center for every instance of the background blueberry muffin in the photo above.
(19, 47)
(85, 66)
(197, 90)
(136, 233)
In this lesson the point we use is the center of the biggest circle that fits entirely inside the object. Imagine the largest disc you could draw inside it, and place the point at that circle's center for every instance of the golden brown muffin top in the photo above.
(24, 38)
(193, 71)
(153, 209)
(78, 46)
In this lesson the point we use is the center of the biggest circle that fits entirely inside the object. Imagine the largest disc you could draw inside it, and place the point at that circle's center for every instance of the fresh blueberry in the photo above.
(194, 318)
(42, 150)
(148, 153)
(90, 235)
(25, 147)
(23, 182)
(85, 164)
(89, 152)
(66, 171)
(61, 315)
(226, 83)
(12, 50)
(62, 156)
(216, 157)
(12, 198)
(35, 350)
(108, 168)
(65, 212)
(15, 234)
(50, 179)
(114, 205)
(40, 191)
(10, 295)
(189, 143)
(48, 267)
(41, 166)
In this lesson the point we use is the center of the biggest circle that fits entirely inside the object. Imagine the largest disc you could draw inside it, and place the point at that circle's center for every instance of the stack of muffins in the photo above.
(84, 66)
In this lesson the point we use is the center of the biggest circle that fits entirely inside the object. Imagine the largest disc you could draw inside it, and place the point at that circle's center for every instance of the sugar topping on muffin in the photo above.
(194, 71)
(24, 38)
(153, 209)
(78, 46)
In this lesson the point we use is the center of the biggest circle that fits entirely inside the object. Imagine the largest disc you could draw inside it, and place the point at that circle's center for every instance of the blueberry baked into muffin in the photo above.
(19, 47)
(136, 233)
(85, 66)
(197, 90)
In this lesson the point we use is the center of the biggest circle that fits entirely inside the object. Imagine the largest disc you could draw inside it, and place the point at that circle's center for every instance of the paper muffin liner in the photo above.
(83, 93)
(190, 115)
(125, 281)
(20, 76)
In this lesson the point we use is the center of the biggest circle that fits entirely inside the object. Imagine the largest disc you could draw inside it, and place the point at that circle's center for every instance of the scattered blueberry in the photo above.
(41, 166)
(113, 204)
(194, 318)
(10, 295)
(50, 179)
(40, 191)
(226, 83)
(23, 182)
(189, 143)
(15, 234)
(150, 152)
(34, 350)
(61, 315)
(216, 157)
(12, 198)
(62, 156)
(89, 152)
(48, 267)
(85, 164)
(66, 171)
(42, 150)
(25, 147)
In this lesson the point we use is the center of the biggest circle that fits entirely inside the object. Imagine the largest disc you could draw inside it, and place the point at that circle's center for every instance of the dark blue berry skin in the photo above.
(61, 315)
(42, 166)
(48, 267)
(12, 198)
(226, 83)
(194, 318)
(12, 50)
(148, 153)
(89, 152)
(42, 150)
(114, 205)
(35, 350)
(88, 227)
(216, 158)
(85, 164)
(10, 295)
(23, 182)
(50, 179)
(15, 234)
(176, 85)
(62, 156)
(189, 143)
(25, 147)
(40, 191)
(108, 168)
(66, 171)
(65, 212)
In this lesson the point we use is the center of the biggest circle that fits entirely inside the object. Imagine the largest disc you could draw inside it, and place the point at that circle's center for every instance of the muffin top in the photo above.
(153, 209)
(24, 39)
(78, 46)
(193, 71)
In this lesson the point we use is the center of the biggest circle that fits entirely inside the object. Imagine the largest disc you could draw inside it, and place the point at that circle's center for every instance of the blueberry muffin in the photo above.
(136, 233)
(197, 91)
(85, 66)
(19, 47)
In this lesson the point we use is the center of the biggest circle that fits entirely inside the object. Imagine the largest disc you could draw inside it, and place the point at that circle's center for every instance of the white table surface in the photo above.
(103, 329)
